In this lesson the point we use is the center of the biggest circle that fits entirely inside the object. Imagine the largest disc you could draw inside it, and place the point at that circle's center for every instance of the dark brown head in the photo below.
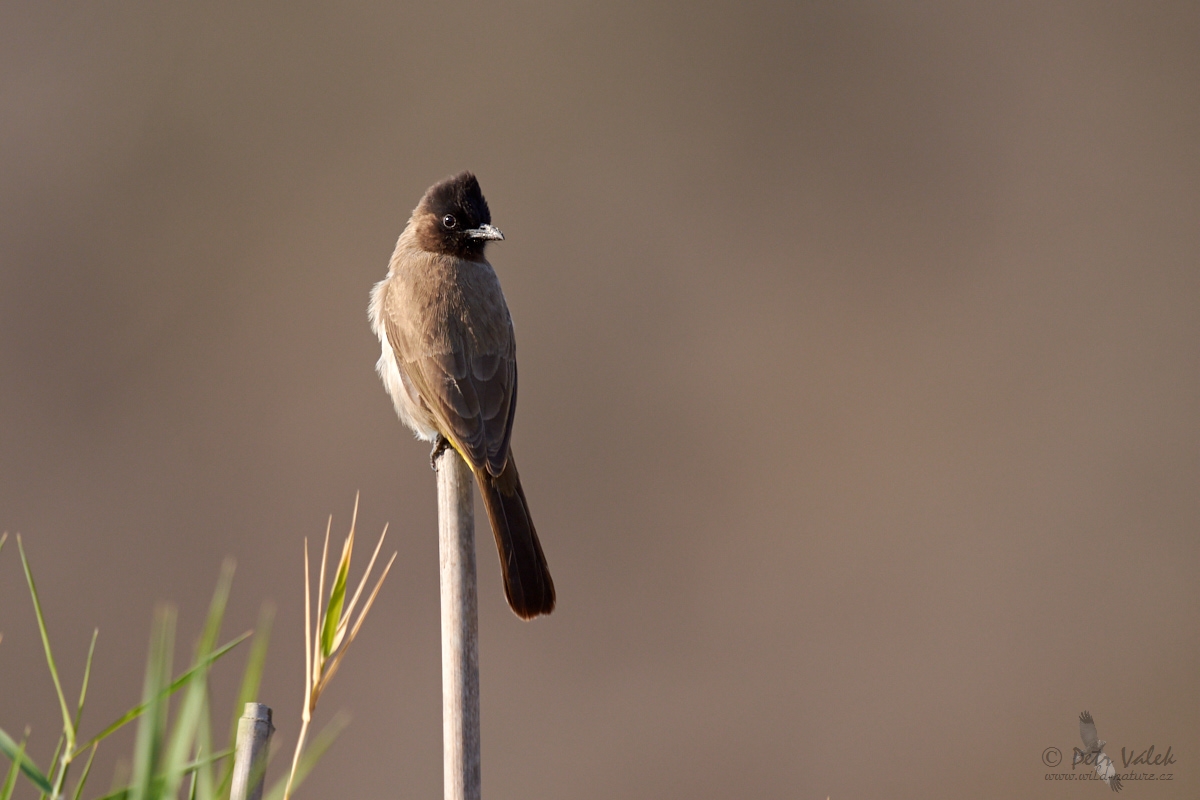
(453, 219)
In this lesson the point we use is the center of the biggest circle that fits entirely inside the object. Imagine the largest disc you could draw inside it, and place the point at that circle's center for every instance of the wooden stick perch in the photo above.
(460, 628)
(250, 759)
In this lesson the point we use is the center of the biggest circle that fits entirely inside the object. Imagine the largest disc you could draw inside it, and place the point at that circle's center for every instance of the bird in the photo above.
(1093, 753)
(448, 361)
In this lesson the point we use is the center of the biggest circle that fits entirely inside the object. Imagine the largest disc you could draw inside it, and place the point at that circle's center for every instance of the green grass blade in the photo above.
(122, 770)
(188, 729)
(333, 611)
(252, 676)
(197, 768)
(175, 686)
(156, 784)
(87, 769)
(216, 609)
(68, 727)
(87, 674)
(55, 764)
(184, 736)
(119, 794)
(148, 747)
(311, 755)
(202, 777)
(206, 761)
(16, 754)
(10, 780)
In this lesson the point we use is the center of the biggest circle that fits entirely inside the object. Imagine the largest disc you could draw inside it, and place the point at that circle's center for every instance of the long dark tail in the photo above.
(527, 583)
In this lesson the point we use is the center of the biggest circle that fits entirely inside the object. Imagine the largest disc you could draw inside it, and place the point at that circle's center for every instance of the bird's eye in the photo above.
(449, 221)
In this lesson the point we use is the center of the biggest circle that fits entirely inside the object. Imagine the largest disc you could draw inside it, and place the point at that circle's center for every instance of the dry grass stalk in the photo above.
(326, 643)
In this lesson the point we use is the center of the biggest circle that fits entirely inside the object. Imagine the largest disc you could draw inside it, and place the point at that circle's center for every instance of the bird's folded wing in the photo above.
(473, 399)
(471, 395)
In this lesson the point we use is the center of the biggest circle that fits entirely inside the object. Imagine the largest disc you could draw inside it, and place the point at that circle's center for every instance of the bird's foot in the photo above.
(440, 445)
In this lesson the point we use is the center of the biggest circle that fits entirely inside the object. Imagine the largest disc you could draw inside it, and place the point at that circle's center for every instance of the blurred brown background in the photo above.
(860, 390)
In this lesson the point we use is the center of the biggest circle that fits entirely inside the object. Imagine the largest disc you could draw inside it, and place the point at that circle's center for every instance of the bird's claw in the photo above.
(440, 444)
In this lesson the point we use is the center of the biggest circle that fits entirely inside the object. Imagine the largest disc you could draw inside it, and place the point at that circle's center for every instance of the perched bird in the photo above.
(449, 363)
(1093, 753)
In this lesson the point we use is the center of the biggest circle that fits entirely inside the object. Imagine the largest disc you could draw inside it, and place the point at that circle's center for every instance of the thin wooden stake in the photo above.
(460, 628)
(250, 758)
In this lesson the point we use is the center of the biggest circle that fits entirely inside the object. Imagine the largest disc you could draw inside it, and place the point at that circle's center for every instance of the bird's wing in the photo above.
(1087, 732)
(471, 396)
(458, 352)
(1107, 772)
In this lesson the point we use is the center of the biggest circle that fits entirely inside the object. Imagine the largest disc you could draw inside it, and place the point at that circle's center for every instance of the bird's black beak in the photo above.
(485, 232)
